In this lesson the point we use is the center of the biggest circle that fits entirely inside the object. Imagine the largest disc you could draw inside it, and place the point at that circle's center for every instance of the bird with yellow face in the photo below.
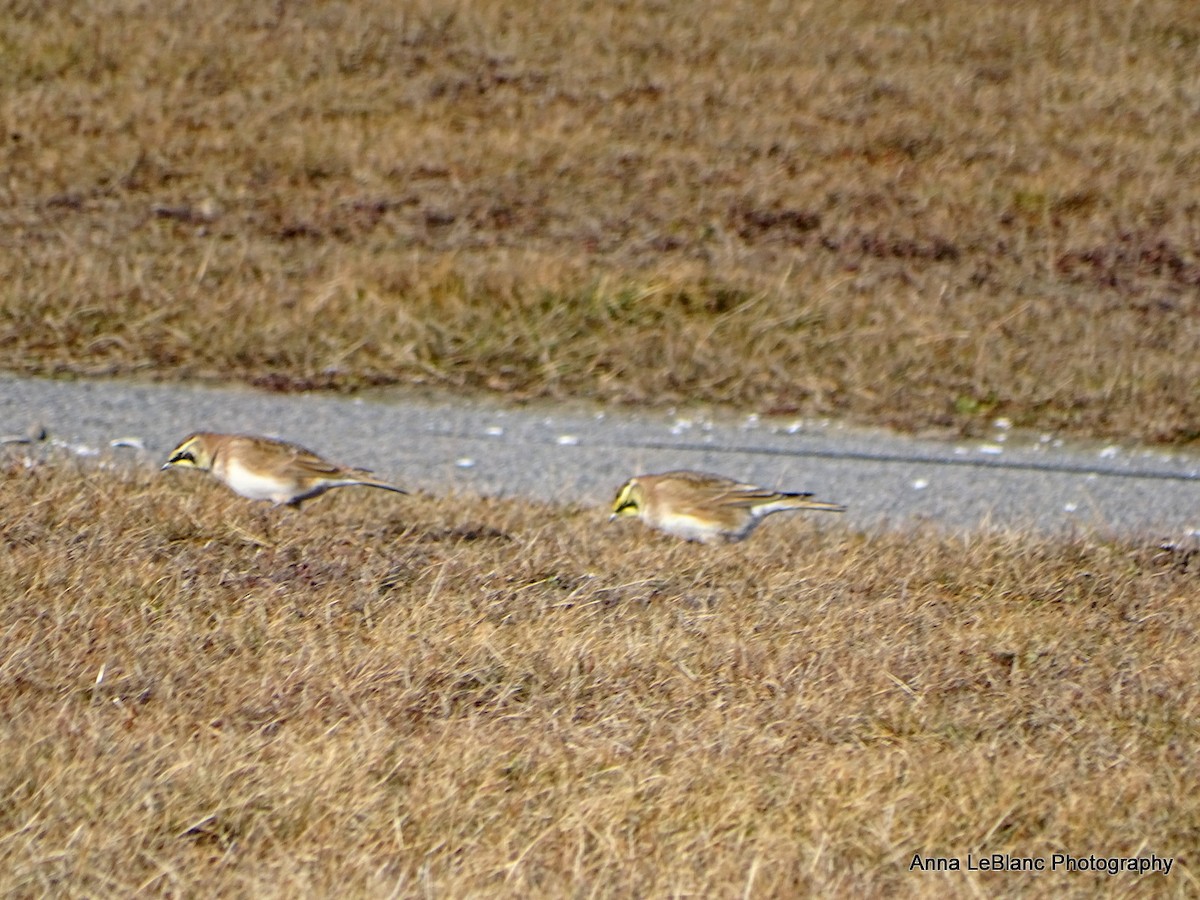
(261, 468)
(711, 509)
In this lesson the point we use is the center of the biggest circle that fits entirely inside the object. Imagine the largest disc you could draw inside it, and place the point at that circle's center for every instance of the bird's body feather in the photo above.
(698, 506)
(261, 468)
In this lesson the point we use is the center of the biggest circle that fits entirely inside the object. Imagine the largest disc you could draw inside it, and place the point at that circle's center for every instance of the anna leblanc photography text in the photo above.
(1066, 862)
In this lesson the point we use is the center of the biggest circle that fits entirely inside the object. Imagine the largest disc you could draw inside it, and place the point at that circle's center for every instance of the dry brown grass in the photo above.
(928, 213)
(465, 697)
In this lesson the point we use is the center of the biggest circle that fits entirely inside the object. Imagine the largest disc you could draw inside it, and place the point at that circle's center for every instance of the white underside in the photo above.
(692, 529)
(255, 486)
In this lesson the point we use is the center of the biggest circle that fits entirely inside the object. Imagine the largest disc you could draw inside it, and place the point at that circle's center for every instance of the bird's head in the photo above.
(629, 499)
(193, 452)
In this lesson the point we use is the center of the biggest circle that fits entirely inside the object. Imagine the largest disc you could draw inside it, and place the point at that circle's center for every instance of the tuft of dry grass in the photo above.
(458, 696)
(901, 214)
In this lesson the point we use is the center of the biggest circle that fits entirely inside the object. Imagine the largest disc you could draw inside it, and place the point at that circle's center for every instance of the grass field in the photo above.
(453, 697)
(922, 214)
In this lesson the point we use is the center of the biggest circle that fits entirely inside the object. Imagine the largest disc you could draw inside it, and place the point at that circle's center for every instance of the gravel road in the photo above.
(582, 454)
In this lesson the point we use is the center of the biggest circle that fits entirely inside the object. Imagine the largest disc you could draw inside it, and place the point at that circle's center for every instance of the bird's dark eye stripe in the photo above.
(180, 457)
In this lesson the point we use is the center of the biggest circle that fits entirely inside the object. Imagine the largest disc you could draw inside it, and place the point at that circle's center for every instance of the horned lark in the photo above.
(706, 508)
(266, 469)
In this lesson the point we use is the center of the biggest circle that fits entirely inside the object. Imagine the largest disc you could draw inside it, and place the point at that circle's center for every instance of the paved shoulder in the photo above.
(580, 455)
